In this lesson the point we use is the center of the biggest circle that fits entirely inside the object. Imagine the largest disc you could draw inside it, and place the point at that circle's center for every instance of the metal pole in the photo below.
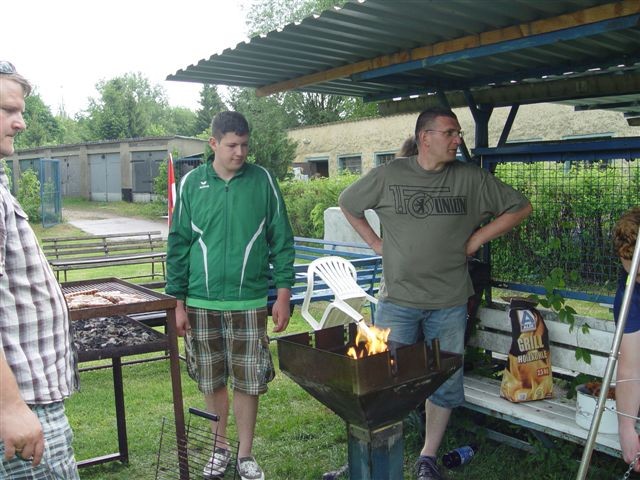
(611, 363)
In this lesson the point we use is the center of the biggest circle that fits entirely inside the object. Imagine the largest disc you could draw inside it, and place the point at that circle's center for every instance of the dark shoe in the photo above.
(426, 469)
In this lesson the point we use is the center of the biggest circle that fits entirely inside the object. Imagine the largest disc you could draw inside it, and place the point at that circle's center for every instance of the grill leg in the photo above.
(375, 454)
(176, 386)
(121, 421)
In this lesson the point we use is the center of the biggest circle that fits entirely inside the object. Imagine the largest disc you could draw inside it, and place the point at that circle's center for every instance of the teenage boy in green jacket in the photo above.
(229, 234)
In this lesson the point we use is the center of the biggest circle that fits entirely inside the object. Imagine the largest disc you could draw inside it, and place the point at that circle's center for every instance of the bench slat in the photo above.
(561, 357)
(108, 235)
(112, 260)
(496, 319)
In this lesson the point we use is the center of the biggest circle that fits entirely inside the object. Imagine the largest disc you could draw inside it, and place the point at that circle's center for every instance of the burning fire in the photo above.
(369, 341)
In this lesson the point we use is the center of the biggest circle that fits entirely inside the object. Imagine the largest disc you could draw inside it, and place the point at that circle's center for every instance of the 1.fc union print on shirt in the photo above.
(422, 202)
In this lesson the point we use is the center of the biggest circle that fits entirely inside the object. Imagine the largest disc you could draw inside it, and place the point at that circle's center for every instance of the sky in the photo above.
(65, 47)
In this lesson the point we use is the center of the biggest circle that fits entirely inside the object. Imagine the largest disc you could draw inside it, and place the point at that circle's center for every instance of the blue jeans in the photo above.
(446, 324)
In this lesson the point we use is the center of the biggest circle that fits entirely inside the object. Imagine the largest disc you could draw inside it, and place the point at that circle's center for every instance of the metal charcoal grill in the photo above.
(196, 451)
(372, 394)
(152, 302)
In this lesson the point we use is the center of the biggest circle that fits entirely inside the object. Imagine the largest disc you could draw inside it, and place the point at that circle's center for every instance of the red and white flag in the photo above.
(171, 189)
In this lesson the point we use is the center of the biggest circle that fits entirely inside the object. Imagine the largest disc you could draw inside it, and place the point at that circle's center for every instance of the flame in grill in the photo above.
(369, 341)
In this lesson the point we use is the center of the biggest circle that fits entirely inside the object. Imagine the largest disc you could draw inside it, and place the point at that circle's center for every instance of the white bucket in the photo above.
(586, 406)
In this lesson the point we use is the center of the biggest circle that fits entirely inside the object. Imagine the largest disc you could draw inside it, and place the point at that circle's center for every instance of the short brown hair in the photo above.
(225, 122)
(625, 233)
(426, 118)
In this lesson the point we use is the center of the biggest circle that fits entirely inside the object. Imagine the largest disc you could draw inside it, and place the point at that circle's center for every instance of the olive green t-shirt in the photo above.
(426, 219)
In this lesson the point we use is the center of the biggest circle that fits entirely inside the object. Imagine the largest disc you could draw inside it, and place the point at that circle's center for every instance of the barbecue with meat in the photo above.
(95, 298)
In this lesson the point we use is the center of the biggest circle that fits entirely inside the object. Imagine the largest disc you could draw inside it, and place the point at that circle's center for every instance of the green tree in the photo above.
(317, 108)
(44, 128)
(180, 121)
(73, 130)
(267, 15)
(269, 145)
(128, 107)
(210, 105)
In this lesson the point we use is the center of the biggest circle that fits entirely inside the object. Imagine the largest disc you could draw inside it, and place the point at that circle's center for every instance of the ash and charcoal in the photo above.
(110, 332)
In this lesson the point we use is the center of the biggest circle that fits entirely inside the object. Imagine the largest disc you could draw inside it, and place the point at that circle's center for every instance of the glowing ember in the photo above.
(369, 341)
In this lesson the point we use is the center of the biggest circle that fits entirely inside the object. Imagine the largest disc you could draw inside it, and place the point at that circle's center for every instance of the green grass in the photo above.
(297, 438)
(150, 210)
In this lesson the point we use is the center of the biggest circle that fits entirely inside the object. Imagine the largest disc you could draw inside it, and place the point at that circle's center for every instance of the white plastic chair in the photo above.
(340, 276)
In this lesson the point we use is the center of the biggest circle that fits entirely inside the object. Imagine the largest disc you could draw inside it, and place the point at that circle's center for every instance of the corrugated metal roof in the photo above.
(383, 49)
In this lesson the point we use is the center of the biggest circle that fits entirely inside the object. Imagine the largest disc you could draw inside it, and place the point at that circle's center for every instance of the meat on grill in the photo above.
(95, 298)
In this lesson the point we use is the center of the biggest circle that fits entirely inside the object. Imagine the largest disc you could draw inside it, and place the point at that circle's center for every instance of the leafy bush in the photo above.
(307, 201)
(29, 195)
(160, 182)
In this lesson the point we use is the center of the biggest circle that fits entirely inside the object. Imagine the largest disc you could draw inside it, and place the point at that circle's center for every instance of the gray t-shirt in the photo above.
(426, 219)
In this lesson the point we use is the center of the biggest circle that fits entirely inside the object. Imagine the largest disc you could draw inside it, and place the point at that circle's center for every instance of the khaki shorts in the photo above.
(231, 344)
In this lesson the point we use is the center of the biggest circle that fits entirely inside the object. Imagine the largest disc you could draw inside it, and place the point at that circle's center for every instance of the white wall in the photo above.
(337, 228)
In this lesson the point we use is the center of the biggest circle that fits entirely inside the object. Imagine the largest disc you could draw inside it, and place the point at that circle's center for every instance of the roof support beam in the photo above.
(502, 47)
(553, 91)
(600, 13)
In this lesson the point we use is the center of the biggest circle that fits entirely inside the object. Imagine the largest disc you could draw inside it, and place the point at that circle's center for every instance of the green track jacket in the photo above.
(224, 237)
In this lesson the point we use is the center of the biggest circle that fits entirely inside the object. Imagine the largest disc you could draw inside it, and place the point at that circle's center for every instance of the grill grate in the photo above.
(190, 461)
(153, 301)
(109, 285)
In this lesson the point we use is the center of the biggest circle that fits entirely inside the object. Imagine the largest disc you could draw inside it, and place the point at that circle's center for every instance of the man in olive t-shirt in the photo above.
(430, 207)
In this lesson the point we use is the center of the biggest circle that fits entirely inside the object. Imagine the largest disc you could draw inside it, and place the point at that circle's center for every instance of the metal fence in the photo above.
(575, 206)
(50, 192)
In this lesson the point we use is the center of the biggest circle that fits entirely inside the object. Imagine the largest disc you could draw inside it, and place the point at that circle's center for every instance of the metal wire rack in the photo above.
(188, 461)
(575, 206)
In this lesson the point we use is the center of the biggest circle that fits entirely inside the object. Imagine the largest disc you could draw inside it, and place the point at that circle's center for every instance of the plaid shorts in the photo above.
(58, 462)
(231, 344)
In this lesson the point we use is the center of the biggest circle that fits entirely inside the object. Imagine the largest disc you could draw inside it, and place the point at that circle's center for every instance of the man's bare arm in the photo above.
(362, 226)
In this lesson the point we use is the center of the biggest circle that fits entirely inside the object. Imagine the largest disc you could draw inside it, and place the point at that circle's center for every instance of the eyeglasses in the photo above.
(7, 67)
(449, 133)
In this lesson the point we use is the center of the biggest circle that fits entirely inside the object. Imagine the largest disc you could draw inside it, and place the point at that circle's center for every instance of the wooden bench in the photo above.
(553, 417)
(95, 251)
